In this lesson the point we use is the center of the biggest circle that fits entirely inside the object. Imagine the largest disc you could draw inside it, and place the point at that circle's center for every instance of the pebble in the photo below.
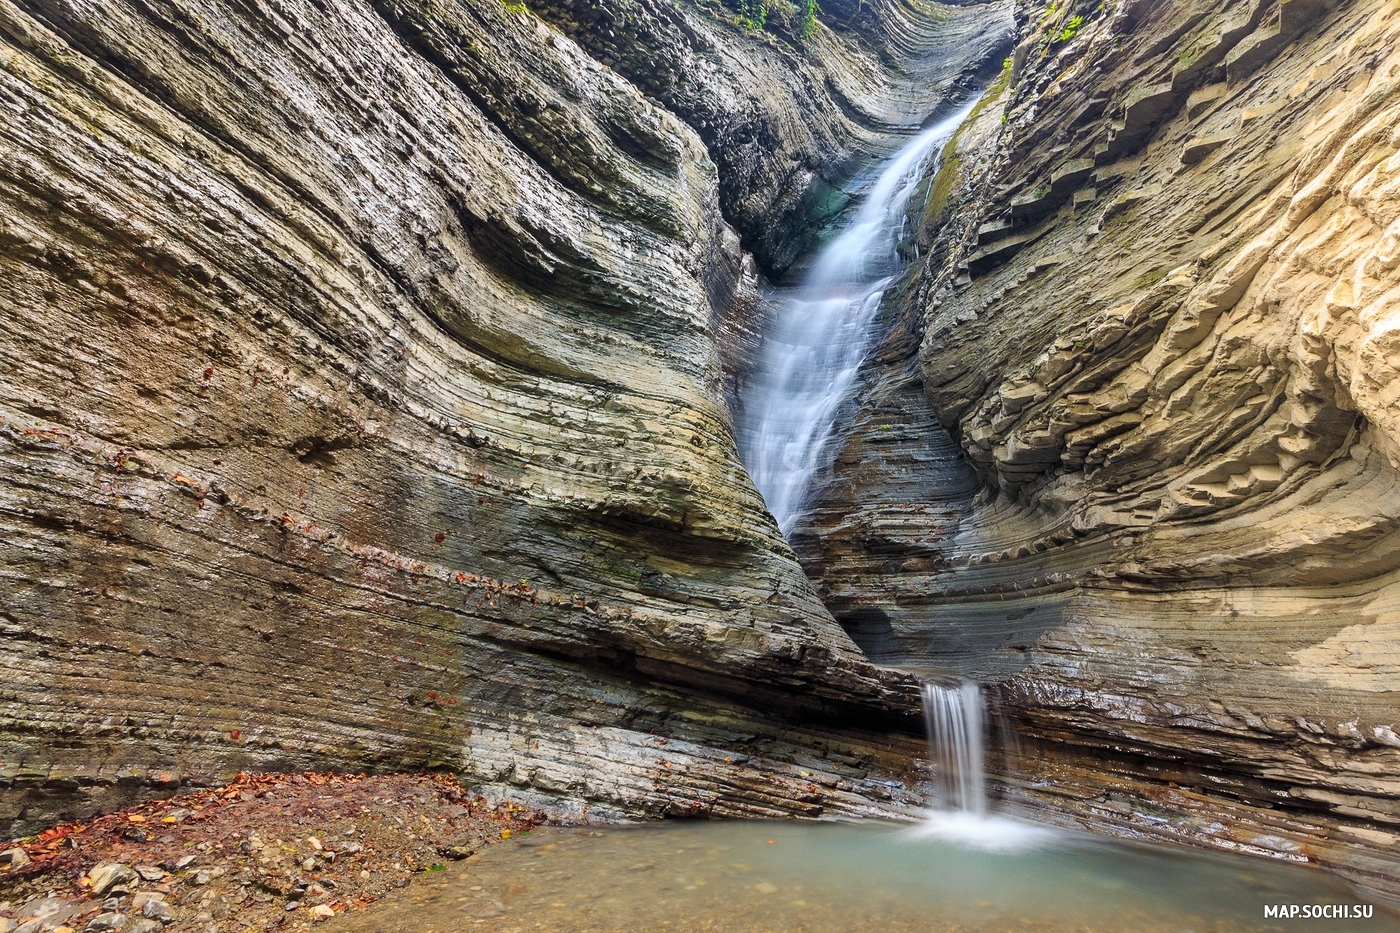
(322, 912)
(150, 872)
(293, 905)
(143, 926)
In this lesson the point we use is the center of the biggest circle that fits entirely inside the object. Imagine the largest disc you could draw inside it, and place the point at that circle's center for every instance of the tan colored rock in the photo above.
(1172, 533)
(361, 404)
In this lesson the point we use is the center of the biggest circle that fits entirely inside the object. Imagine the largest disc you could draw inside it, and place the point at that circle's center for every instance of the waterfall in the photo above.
(823, 330)
(954, 718)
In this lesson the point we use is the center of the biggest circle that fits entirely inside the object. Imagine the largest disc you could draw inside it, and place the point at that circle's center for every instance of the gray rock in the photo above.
(103, 923)
(13, 858)
(157, 910)
(150, 872)
(144, 926)
(108, 875)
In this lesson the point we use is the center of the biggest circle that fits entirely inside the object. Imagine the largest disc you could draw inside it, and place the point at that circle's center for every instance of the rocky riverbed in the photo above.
(266, 852)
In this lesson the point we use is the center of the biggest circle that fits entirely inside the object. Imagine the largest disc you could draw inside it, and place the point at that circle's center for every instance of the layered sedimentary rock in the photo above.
(1158, 322)
(360, 402)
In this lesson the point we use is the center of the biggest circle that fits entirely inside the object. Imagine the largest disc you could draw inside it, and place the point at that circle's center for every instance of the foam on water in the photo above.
(989, 833)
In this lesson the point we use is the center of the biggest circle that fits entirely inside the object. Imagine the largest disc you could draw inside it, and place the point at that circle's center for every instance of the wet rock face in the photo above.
(1158, 323)
(361, 407)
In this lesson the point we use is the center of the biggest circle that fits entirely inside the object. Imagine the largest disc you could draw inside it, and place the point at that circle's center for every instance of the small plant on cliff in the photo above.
(809, 18)
(1071, 28)
(753, 14)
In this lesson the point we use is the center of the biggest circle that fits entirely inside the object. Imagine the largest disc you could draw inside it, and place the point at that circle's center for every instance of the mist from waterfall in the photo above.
(823, 331)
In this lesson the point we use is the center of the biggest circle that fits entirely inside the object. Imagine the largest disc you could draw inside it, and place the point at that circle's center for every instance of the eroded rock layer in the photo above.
(1158, 321)
(360, 402)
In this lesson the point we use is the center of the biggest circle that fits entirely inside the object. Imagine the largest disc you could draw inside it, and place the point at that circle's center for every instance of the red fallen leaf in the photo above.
(209, 372)
(233, 734)
(439, 537)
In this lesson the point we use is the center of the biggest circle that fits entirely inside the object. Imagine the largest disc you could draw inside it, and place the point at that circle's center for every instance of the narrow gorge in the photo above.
(374, 374)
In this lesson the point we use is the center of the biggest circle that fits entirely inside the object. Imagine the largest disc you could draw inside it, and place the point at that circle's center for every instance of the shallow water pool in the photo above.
(800, 877)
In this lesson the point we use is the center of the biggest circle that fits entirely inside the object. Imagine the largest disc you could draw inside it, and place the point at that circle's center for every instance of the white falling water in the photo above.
(956, 721)
(955, 734)
(823, 333)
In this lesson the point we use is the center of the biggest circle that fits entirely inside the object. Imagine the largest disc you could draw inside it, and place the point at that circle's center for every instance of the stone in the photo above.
(156, 910)
(44, 912)
(143, 926)
(107, 876)
(322, 912)
(457, 852)
(102, 923)
(149, 872)
(13, 858)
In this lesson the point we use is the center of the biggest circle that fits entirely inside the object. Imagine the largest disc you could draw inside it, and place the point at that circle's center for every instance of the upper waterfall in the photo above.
(822, 332)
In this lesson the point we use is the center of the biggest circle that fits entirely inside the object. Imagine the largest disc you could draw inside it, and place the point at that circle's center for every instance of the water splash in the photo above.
(823, 332)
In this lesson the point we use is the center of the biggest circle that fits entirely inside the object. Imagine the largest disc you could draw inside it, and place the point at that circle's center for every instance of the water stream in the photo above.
(823, 330)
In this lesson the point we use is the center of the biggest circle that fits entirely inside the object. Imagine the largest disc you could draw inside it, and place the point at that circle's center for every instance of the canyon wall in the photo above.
(361, 404)
(1130, 449)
